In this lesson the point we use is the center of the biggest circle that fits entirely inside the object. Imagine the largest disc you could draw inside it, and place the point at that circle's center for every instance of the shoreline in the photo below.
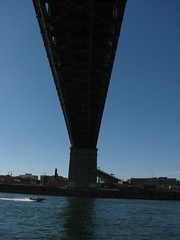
(121, 193)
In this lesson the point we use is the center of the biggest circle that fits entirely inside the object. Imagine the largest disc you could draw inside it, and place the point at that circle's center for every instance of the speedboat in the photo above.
(38, 199)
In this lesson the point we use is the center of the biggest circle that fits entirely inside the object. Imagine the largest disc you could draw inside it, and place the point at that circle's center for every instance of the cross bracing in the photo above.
(80, 37)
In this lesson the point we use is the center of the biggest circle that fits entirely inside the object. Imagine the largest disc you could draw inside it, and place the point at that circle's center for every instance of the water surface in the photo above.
(84, 218)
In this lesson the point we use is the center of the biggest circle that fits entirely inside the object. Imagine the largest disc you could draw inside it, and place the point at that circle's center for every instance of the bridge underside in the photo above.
(80, 37)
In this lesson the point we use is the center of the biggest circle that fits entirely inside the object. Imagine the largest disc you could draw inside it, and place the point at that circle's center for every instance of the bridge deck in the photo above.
(80, 38)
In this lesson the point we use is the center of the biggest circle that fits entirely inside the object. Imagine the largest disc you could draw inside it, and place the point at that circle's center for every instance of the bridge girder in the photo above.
(80, 37)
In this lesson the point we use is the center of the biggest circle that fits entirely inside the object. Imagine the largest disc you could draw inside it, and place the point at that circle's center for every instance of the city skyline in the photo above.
(140, 131)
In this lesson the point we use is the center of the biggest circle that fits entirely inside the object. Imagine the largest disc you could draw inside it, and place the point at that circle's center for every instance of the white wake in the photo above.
(17, 199)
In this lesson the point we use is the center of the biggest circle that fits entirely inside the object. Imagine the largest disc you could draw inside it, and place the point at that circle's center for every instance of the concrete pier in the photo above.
(82, 168)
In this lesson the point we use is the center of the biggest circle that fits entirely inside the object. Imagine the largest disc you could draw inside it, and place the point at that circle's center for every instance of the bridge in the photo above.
(108, 178)
(80, 38)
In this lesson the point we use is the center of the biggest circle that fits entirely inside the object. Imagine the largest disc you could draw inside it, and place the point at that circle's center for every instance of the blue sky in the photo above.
(140, 130)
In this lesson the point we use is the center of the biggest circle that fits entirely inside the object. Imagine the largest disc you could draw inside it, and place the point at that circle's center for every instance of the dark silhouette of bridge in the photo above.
(80, 38)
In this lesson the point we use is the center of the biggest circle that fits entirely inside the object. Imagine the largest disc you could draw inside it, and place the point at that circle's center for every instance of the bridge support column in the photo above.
(82, 168)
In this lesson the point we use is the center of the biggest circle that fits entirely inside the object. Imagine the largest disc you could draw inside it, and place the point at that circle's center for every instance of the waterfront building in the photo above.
(153, 182)
(28, 178)
(53, 180)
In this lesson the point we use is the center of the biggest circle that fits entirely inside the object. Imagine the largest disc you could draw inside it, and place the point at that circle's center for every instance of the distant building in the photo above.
(8, 179)
(28, 178)
(53, 180)
(156, 182)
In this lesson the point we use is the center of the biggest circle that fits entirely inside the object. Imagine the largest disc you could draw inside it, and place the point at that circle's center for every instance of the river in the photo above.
(67, 218)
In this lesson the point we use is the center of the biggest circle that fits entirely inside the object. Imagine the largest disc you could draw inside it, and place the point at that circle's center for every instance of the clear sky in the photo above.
(140, 130)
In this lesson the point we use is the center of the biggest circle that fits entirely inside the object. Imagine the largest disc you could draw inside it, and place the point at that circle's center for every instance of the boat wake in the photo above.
(17, 199)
